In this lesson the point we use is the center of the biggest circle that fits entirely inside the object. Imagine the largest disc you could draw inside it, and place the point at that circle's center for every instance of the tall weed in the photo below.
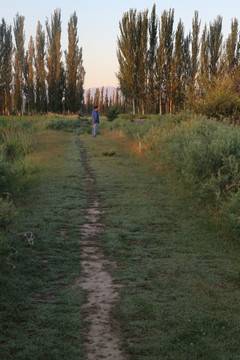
(16, 145)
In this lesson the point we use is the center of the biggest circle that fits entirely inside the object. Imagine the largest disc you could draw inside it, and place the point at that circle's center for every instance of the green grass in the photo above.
(40, 314)
(181, 278)
(181, 290)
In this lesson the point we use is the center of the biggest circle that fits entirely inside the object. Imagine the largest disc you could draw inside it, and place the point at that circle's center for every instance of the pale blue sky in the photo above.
(98, 23)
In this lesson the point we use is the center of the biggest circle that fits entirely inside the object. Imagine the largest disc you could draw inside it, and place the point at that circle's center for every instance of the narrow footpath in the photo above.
(102, 340)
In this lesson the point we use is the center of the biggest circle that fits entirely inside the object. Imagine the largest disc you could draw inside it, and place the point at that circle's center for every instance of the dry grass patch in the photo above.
(48, 148)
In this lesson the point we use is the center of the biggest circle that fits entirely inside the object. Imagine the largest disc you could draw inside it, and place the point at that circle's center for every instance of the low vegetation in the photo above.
(204, 152)
(180, 277)
(40, 315)
(169, 189)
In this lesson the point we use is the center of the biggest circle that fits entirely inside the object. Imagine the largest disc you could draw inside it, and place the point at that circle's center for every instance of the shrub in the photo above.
(219, 100)
(112, 113)
(207, 154)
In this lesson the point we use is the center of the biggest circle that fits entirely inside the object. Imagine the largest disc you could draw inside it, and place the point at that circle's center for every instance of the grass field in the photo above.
(40, 308)
(181, 291)
(180, 275)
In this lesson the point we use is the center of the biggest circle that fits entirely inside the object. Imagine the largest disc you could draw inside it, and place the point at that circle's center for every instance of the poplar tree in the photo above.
(97, 97)
(113, 97)
(55, 75)
(232, 48)
(204, 55)
(80, 80)
(6, 52)
(164, 59)
(41, 96)
(29, 78)
(117, 100)
(152, 54)
(159, 66)
(126, 54)
(142, 59)
(187, 69)
(180, 70)
(194, 62)
(102, 98)
(215, 43)
(195, 46)
(19, 62)
(175, 90)
(74, 68)
(88, 101)
(106, 100)
(133, 58)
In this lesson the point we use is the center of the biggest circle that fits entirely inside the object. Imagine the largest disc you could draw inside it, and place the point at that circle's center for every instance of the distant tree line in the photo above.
(105, 101)
(37, 79)
(162, 70)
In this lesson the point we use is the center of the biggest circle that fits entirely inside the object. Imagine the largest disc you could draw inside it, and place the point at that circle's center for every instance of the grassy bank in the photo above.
(181, 292)
(40, 316)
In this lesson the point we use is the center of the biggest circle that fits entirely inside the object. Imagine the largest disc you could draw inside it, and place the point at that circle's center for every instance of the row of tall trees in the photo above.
(105, 100)
(37, 79)
(162, 69)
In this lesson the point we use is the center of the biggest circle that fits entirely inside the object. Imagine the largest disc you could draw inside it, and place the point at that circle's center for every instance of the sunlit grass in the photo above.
(48, 148)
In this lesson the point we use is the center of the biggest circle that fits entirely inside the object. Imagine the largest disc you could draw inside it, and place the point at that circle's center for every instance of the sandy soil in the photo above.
(102, 340)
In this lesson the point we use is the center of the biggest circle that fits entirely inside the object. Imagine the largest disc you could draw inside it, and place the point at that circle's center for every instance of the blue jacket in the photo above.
(95, 117)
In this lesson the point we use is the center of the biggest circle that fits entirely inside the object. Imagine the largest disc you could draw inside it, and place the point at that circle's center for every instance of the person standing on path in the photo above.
(95, 121)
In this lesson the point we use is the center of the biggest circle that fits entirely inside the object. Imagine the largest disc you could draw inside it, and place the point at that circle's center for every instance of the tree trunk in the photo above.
(134, 107)
(160, 103)
(171, 106)
(143, 108)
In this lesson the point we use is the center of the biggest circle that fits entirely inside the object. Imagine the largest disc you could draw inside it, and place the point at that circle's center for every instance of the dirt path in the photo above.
(102, 341)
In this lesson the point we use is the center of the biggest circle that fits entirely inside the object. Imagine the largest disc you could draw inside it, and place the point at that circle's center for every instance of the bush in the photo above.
(207, 154)
(112, 113)
(219, 100)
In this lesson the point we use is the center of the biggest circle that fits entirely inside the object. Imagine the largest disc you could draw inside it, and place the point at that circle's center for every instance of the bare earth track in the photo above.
(102, 340)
